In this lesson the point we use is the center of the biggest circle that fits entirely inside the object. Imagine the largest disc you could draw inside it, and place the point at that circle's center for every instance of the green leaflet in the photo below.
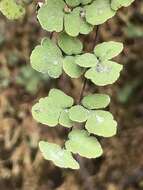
(75, 3)
(108, 50)
(104, 73)
(101, 123)
(55, 16)
(80, 142)
(47, 111)
(98, 122)
(117, 4)
(71, 68)
(11, 9)
(60, 157)
(75, 24)
(101, 70)
(96, 101)
(51, 15)
(64, 119)
(87, 60)
(70, 45)
(78, 113)
(47, 58)
(99, 12)
(65, 101)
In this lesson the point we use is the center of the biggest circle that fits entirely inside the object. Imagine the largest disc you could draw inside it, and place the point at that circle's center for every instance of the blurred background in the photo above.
(21, 164)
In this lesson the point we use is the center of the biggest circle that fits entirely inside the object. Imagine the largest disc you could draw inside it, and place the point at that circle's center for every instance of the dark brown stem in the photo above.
(85, 80)
(82, 90)
(88, 183)
(97, 36)
(51, 35)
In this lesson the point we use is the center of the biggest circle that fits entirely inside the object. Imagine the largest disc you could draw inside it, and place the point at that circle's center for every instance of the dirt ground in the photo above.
(21, 164)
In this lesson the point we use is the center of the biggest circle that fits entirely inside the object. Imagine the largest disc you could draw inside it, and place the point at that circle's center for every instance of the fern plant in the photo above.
(68, 19)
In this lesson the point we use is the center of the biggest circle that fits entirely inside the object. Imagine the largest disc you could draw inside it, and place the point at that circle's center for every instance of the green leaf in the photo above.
(85, 28)
(70, 45)
(11, 9)
(47, 111)
(104, 73)
(96, 101)
(75, 24)
(101, 123)
(99, 12)
(60, 157)
(55, 70)
(64, 119)
(117, 4)
(64, 100)
(84, 2)
(51, 15)
(47, 58)
(78, 113)
(75, 3)
(80, 142)
(86, 60)
(108, 50)
(71, 68)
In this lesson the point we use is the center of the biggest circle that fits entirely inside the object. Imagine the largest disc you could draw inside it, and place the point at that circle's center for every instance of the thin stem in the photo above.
(82, 90)
(97, 36)
(51, 35)
(88, 184)
(85, 80)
